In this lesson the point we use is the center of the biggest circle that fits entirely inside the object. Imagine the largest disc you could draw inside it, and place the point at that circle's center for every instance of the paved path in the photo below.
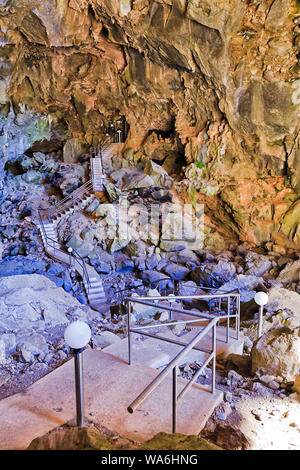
(110, 385)
(154, 353)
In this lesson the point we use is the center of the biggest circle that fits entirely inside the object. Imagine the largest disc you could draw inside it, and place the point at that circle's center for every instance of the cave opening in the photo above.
(204, 131)
(117, 129)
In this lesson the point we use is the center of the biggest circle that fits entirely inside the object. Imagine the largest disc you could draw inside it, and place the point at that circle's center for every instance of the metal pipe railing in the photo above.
(73, 256)
(173, 366)
(227, 316)
(85, 274)
(77, 194)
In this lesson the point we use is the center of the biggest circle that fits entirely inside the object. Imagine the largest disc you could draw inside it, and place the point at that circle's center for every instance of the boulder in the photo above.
(162, 195)
(56, 269)
(92, 206)
(54, 316)
(72, 150)
(83, 248)
(290, 273)
(10, 342)
(152, 261)
(164, 441)
(72, 438)
(145, 311)
(158, 174)
(244, 284)
(190, 288)
(113, 193)
(136, 248)
(21, 265)
(172, 245)
(109, 212)
(176, 272)
(118, 244)
(118, 175)
(284, 300)
(34, 301)
(186, 256)
(31, 344)
(153, 277)
(277, 353)
(262, 390)
(138, 181)
(256, 264)
(32, 176)
(105, 339)
(214, 274)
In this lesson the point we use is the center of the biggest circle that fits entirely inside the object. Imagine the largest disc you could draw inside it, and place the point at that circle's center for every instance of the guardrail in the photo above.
(74, 256)
(224, 305)
(74, 196)
(173, 365)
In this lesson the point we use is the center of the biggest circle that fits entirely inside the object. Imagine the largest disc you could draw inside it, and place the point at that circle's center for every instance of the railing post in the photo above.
(238, 301)
(79, 386)
(171, 301)
(70, 250)
(129, 306)
(174, 400)
(228, 317)
(213, 369)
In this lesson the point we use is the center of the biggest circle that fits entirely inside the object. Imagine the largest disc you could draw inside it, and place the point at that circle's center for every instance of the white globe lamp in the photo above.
(78, 334)
(261, 298)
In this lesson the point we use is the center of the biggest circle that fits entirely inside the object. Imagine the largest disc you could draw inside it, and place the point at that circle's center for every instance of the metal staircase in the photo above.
(77, 200)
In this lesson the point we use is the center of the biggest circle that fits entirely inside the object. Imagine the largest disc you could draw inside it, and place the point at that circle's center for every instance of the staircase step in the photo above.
(97, 297)
(96, 289)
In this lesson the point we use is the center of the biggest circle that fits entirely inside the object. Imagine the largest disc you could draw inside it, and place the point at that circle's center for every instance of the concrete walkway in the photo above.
(110, 386)
(154, 353)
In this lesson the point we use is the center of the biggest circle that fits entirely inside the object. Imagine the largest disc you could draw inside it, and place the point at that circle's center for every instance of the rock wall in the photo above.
(219, 81)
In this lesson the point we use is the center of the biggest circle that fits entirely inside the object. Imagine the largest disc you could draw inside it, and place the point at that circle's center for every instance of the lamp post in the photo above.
(77, 335)
(261, 298)
(171, 301)
(70, 251)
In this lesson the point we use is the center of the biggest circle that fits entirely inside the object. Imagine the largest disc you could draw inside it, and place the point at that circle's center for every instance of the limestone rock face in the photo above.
(217, 81)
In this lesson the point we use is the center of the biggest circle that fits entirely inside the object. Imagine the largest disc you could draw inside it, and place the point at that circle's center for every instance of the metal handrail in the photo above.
(219, 297)
(98, 154)
(79, 192)
(82, 263)
(57, 247)
(70, 196)
(56, 244)
(173, 364)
